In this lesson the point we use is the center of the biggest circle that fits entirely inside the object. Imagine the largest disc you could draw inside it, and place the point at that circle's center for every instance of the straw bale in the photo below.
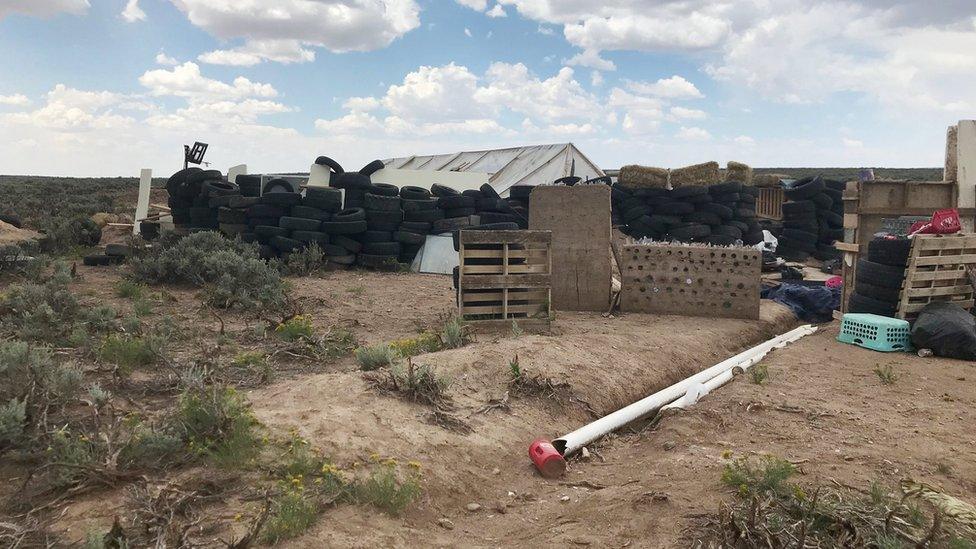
(698, 174)
(642, 177)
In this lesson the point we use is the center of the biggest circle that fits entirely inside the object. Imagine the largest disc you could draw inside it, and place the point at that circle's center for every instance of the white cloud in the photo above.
(132, 12)
(467, 32)
(497, 11)
(675, 87)
(284, 30)
(186, 81)
(15, 100)
(546, 31)
(693, 134)
(478, 5)
(72, 110)
(596, 78)
(591, 59)
(163, 59)
(361, 104)
(682, 113)
(43, 8)
(852, 143)
(745, 141)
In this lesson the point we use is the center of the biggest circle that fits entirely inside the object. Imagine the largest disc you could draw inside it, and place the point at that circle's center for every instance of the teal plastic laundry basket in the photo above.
(879, 333)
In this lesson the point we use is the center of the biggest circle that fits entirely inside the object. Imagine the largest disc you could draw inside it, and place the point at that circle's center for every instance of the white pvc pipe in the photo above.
(573, 442)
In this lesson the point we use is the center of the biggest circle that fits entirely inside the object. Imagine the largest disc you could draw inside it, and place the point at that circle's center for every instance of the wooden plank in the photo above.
(946, 242)
(505, 237)
(846, 247)
(540, 255)
(965, 259)
(927, 276)
(965, 289)
(500, 269)
(491, 282)
(916, 307)
(527, 309)
(850, 221)
(910, 210)
(514, 294)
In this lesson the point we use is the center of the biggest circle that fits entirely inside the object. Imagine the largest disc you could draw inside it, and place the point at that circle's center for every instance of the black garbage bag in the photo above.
(947, 329)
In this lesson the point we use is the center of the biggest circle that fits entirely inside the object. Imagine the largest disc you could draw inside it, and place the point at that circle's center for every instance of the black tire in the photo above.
(705, 218)
(353, 246)
(220, 188)
(324, 198)
(835, 185)
(242, 202)
(833, 219)
(486, 218)
(491, 205)
(450, 224)
(375, 236)
(383, 189)
(425, 216)
(285, 199)
(228, 215)
(267, 232)
(822, 201)
(308, 212)
(331, 250)
(232, 229)
(299, 224)
(685, 192)
(250, 185)
(285, 244)
(331, 164)
(751, 191)
(473, 193)
(699, 199)
(727, 230)
(723, 188)
(687, 232)
(221, 201)
(97, 260)
(382, 262)
(637, 211)
(410, 192)
(414, 205)
(569, 180)
(723, 212)
(348, 259)
(265, 211)
(372, 167)
(801, 236)
(489, 192)
(459, 212)
(344, 227)
(317, 237)
(719, 240)
(382, 202)
(862, 304)
(521, 192)
(456, 201)
(415, 227)
(752, 237)
(407, 237)
(439, 190)
(674, 208)
(726, 198)
(388, 226)
(381, 248)
(745, 213)
(802, 207)
(279, 185)
(350, 214)
(799, 245)
(894, 251)
(886, 276)
(350, 181)
(381, 216)
(877, 292)
(805, 188)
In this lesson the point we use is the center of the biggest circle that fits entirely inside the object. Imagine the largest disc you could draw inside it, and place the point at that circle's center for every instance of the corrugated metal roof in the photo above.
(531, 165)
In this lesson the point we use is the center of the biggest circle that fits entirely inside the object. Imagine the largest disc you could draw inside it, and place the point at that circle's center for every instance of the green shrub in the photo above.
(309, 260)
(375, 357)
(150, 447)
(419, 383)
(128, 289)
(73, 453)
(292, 513)
(62, 234)
(412, 346)
(384, 490)
(298, 327)
(453, 334)
(767, 475)
(127, 352)
(217, 422)
(230, 271)
(886, 374)
(759, 373)
(13, 414)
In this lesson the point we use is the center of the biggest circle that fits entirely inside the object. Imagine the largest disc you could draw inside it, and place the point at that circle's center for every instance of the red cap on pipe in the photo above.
(547, 459)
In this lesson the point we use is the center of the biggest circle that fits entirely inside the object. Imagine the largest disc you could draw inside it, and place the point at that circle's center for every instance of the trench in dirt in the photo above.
(607, 362)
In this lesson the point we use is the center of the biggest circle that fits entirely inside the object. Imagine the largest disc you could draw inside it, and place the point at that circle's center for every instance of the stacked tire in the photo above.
(813, 219)
(419, 213)
(189, 200)
(384, 214)
(518, 199)
(877, 286)
(720, 214)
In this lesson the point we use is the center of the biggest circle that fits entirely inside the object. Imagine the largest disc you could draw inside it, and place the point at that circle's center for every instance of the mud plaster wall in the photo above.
(579, 218)
(690, 280)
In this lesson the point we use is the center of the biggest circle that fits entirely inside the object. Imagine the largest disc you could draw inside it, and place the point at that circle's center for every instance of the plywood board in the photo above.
(142, 202)
(690, 280)
(966, 169)
(579, 218)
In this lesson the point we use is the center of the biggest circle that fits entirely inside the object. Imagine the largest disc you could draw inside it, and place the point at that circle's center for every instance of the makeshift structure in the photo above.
(937, 271)
(532, 165)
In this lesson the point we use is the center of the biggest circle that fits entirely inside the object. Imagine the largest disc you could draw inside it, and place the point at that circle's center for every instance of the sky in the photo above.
(106, 87)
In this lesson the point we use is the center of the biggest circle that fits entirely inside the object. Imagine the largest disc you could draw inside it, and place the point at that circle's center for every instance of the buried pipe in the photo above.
(573, 442)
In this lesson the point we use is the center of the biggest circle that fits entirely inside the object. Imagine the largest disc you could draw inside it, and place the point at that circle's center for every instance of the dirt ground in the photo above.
(823, 407)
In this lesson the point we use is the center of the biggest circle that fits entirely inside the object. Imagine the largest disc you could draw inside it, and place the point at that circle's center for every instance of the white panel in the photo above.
(142, 203)
(234, 171)
(966, 169)
(319, 176)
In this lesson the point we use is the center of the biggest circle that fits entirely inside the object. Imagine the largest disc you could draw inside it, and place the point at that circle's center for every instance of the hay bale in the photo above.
(13, 235)
(699, 174)
(101, 219)
(643, 177)
(769, 179)
(737, 171)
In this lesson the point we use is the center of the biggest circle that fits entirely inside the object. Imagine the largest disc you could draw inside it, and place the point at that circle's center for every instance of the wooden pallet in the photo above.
(505, 276)
(937, 272)
(770, 203)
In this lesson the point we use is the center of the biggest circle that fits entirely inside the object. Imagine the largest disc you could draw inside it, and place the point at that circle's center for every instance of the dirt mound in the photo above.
(12, 235)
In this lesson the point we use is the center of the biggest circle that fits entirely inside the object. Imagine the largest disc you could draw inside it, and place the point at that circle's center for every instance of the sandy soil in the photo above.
(823, 406)
(12, 235)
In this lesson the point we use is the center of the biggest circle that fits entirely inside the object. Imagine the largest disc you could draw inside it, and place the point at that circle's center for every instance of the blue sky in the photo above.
(105, 87)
